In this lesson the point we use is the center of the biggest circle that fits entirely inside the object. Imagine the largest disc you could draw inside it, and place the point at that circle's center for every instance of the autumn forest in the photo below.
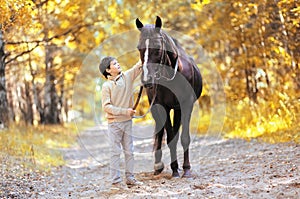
(244, 127)
(253, 47)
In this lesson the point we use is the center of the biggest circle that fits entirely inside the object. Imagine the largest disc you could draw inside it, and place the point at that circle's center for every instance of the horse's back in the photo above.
(191, 68)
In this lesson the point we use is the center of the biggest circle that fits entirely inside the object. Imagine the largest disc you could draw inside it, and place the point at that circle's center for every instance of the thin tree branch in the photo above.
(24, 42)
(23, 53)
(71, 30)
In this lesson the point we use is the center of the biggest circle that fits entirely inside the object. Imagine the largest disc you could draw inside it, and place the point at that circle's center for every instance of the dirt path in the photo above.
(221, 169)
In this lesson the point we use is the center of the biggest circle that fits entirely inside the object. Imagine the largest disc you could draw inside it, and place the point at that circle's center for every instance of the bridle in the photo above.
(157, 75)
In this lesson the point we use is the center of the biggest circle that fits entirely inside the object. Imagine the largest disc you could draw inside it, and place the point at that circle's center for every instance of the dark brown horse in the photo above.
(172, 81)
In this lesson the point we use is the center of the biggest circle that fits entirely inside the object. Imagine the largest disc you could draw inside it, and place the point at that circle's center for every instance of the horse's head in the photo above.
(155, 52)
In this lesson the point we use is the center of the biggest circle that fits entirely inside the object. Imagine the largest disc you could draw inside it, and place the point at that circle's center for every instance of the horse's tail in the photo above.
(197, 78)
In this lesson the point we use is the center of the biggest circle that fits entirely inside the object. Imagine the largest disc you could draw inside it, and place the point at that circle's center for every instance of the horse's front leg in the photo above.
(159, 116)
(185, 141)
(158, 164)
(172, 140)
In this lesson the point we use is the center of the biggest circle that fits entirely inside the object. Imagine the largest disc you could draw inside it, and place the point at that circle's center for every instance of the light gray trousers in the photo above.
(120, 137)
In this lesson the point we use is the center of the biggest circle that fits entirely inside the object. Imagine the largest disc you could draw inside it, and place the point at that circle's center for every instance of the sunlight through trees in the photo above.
(254, 45)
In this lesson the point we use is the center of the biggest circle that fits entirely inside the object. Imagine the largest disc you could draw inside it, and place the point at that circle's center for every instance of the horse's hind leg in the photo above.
(185, 141)
(159, 116)
(172, 140)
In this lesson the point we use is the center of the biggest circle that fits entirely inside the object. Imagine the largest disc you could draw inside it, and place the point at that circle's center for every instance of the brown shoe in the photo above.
(118, 186)
(133, 182)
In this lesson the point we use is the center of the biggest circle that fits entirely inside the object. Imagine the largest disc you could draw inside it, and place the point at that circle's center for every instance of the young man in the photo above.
(117, 100)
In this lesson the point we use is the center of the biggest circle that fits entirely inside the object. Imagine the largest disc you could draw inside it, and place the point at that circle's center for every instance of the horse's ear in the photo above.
(138, 24)
(158, 22)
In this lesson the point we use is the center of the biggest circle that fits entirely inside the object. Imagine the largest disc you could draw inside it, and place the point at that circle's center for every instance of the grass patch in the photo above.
(39, 146)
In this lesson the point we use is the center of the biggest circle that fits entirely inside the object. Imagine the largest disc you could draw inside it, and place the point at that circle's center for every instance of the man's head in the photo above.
(104, 66)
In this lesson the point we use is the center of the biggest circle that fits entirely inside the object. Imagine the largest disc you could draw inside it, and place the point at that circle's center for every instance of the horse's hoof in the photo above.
(175, 174)
(158, 168)
(157, 172)
(187, 173)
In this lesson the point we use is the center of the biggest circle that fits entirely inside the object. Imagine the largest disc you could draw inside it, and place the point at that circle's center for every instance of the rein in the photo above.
(175, 71)
(138, 98)
(151, 104)
(163, 57)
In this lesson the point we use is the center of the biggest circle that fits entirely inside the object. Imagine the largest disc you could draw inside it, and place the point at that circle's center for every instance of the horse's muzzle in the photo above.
(148, 86)
(149, 82)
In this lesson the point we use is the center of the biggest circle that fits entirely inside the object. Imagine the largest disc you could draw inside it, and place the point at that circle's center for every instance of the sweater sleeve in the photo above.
(136, 70)
(107, 105)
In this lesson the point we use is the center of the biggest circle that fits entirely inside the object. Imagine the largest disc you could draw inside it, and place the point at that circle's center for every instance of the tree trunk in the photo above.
(50, 98)
(61, 97)
(251, 84)
(37, 98)
(4, 119)
(29, 111)
(10, 99)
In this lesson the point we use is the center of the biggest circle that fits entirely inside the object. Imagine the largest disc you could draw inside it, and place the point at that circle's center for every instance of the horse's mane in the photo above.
(172, 43)
(172, 47)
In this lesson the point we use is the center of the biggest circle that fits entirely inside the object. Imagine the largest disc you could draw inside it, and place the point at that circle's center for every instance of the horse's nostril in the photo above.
(148, 86)
(148, 80)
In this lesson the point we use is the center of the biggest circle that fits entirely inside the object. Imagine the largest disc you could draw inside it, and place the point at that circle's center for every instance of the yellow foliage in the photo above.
(264, 121)
(112, 10)
(198, 5)
(65, 24)
(72, 45)
(236, 34)
(203, 125)
(16, 12)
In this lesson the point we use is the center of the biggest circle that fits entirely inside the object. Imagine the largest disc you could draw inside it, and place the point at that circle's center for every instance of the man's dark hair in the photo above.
(105, 64)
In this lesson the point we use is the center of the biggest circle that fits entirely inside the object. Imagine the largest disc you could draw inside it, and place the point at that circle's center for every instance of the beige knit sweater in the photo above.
(117, 95)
